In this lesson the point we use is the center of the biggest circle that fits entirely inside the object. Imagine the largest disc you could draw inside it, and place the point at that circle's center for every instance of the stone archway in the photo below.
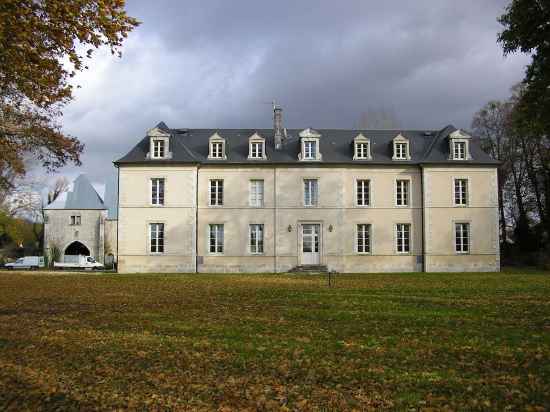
(76, 248)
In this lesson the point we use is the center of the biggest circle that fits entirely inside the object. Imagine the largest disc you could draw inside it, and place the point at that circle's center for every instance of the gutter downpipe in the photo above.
(197, 219)
(423, 204)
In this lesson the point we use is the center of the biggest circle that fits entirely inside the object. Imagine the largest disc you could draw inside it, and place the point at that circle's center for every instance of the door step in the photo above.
(309, 269)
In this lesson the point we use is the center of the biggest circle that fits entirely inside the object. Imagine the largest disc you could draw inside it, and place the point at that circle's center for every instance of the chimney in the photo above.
(278, 126)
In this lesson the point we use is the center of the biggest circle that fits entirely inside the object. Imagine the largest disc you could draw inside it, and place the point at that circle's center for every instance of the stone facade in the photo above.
(186, 215)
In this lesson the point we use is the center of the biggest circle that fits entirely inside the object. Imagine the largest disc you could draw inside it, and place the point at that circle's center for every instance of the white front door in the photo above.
(311, 239)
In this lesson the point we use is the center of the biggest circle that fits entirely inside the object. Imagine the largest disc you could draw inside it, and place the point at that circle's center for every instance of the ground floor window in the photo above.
(363, 238)
(216, 238)
(403, 233)
(256, 238)
(462, 237)
(156, 233)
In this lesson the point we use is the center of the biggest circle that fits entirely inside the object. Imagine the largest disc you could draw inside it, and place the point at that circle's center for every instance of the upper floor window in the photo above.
(310, 150)
(256, 193)
(216, 192)
(309, 145)
(311, 192)
(256, 238)
(256, 147)
(363, 192)
(462, 237)
(403, 237)
(402, 192)
(459, 145)
(401, 149)
(216, 147)
(156, 237)
(157, 191)
(363, 238)
(461, 192)
(459, 150)
(215, 238)
(159, 148)
(75, 220)
(361, 148)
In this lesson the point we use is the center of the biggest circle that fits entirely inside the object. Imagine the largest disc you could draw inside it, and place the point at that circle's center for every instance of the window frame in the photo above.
(304, 191)
(163, 145)
(75, 220)
(467, 190)
(216, 239)
(259, 242)
(217, 196)
(468, 238)
(150, 238)
(369, 234)
(151, 188)
(397, 238)
(216, 139)
(408, 197)
(253, 143)
(404, 154)
(252, 194)
(356, 192)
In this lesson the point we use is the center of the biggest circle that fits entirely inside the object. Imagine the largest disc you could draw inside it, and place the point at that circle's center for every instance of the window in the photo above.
(402, 193)
(311, 192)
(157, 192)
(310, 150)
(362, 150)
(400, 151)
(459, 150)
(462, 237)
(158, 148)
(256, 193)
(216, 192)
(363, 238)
(256, 150)
(256, 239)
(217, 150)
(215, 238)
(156, 236)
(403, 237)
(363, 195)
(461, 192)
(75, 220)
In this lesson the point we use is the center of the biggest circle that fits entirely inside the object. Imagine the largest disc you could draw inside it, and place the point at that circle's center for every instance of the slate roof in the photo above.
(336, 147)
(82, 196)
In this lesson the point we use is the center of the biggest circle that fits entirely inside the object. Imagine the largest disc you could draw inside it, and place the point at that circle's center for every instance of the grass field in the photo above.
(270, 342)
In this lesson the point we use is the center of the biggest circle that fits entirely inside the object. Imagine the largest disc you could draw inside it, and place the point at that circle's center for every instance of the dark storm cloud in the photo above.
(218, 64)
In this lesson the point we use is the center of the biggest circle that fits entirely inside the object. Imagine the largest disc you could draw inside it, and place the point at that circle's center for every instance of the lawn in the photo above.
(275, 342)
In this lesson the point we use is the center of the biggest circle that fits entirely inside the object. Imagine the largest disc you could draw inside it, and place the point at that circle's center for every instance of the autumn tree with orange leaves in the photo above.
(36, 36)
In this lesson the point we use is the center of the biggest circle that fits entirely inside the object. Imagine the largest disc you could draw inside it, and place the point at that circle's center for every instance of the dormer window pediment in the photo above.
(159, 144)
(361, 148)
(256, 147)
(401, 148)
(216, 147)
(459, 145)
(309, 144)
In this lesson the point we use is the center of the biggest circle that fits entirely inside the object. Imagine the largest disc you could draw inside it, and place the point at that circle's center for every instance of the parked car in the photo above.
(80, 262)
(27, 262)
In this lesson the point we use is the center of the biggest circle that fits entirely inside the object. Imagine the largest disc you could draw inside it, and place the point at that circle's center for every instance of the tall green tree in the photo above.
(527, 29)
(37, 39)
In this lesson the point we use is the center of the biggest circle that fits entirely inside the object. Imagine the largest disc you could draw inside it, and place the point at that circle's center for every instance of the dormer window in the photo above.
(310, 150)
(401, 150)
(459, 150)
(158, 149)
(310, 145)
(217, 147)
(159, 140)
(361, 148)
(256, 147)
(459, 146)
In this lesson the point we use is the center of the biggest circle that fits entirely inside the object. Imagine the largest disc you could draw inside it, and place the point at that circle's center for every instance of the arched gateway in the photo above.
(76, 248)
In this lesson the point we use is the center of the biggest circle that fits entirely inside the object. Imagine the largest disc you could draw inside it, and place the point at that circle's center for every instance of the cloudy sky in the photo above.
(218, 63)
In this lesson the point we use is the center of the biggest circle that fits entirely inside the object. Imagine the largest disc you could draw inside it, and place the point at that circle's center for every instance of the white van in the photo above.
(79, 262)
(27, 262)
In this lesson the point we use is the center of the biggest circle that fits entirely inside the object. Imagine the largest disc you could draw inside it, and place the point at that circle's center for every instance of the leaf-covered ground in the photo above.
(275, 342)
